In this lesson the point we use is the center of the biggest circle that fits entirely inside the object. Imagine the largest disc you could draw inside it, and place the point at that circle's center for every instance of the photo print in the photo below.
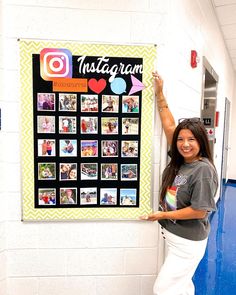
(46, 171)
(68, 102)
(45, 101)
(68, 148)
(89, 148)
(47, 196)
(67, 125)
(89, 103)
(128, 197)
(130, 126)
(89, 171)
(46, 124)
(130, 104)
(109, 148)
(89, 125)
(129, 148)
(68, 196)
(88, 196)
(109, 171)
(129, 171)
(68, 171)
(110, 103)
(108, 196)
(46, 148)
(109, 125)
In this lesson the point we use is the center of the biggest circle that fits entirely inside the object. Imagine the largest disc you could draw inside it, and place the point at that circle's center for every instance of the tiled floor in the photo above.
(216, 274)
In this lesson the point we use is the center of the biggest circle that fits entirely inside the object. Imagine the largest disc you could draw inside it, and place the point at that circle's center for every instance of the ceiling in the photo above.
(226, 14)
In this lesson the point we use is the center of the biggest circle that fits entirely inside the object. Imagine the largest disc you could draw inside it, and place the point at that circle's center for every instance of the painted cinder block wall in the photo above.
(232, 142)
(2, 197)
(98, 258)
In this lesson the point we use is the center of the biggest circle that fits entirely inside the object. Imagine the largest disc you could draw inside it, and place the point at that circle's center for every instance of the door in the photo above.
(209, 101)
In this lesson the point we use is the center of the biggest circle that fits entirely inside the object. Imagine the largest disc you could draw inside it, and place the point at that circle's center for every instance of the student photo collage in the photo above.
(108, 129)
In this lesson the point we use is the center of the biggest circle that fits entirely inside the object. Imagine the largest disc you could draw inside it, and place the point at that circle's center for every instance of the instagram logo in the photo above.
(55, 63)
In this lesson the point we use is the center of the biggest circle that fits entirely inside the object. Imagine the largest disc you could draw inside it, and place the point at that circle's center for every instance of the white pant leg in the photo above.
(183, 257)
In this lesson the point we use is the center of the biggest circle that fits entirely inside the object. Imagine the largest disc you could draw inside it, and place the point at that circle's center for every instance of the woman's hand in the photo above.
(158, 83)
(153, 216)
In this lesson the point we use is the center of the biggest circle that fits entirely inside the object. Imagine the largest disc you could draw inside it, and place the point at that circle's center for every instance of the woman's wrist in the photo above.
(162, 215)
(160, 98)
(161, 103)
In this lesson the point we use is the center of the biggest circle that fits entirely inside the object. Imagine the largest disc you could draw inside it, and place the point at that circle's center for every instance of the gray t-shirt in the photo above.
(195, 185)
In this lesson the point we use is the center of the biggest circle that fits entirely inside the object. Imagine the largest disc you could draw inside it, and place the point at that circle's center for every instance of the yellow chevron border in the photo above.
(29, 47)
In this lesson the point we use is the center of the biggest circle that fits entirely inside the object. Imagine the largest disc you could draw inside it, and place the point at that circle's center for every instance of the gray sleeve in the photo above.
(204, 189)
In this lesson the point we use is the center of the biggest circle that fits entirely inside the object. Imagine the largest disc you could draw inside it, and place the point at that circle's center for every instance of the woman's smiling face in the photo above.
(188, 146)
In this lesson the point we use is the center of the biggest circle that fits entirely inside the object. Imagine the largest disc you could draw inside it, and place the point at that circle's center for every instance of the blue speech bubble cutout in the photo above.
(118, 85)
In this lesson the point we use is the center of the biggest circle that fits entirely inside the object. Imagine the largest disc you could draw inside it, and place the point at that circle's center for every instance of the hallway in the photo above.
(216, 274)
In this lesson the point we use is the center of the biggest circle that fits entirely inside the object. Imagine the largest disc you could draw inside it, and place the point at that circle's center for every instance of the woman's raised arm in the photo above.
(167, 119)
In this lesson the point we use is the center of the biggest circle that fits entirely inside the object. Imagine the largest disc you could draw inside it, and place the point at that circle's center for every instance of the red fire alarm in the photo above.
(217, 119)
(194, 58)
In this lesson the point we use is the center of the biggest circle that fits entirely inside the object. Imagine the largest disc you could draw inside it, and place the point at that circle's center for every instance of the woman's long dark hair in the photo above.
(199, 132)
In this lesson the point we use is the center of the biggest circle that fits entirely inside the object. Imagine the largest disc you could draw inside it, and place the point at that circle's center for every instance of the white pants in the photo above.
(183, 257)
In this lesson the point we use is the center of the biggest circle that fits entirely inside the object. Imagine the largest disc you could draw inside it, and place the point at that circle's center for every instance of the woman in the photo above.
(72, 172)
(44, 147)
(189, 185)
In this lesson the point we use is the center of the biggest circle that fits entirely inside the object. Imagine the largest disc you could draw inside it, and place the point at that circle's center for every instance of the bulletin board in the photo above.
(86, 130)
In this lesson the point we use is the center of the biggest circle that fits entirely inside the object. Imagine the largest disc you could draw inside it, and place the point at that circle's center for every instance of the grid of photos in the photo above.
(88, 152)
(87, 149)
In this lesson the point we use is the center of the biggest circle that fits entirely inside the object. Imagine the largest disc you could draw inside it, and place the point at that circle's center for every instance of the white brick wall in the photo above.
(98, 258)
